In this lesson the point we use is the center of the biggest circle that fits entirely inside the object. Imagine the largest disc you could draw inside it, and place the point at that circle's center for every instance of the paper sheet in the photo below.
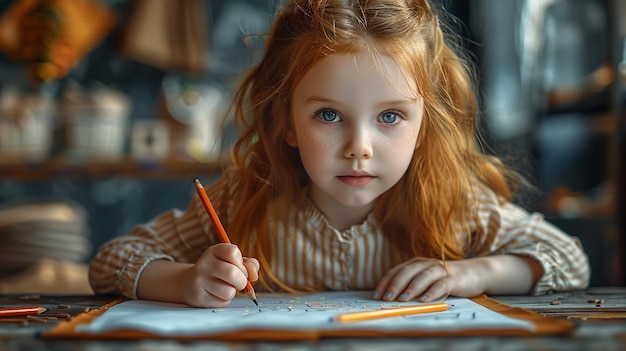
(289, 312)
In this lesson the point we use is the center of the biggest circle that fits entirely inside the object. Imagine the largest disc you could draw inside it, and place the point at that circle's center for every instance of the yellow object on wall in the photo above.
(52, 36)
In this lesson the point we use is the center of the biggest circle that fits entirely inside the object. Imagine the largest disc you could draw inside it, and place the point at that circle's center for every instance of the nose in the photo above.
(358, 144)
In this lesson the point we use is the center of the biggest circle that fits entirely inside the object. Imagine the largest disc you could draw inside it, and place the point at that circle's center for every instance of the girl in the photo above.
(356, 167)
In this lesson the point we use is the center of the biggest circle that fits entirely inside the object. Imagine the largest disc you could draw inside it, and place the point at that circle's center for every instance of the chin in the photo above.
(356, 202)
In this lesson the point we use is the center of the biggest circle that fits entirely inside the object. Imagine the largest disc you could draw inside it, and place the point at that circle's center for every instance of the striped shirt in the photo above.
(317, 256)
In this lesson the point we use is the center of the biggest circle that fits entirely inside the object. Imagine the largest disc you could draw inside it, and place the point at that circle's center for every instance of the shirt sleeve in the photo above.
(174, 235)
(505, 228)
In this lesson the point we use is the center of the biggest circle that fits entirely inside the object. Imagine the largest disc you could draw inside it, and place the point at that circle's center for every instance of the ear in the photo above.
(290, 137)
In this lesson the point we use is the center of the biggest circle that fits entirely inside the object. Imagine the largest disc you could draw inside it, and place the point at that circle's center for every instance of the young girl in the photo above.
(356, 167)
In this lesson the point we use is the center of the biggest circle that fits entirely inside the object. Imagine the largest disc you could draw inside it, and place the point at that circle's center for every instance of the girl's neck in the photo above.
(339, 216)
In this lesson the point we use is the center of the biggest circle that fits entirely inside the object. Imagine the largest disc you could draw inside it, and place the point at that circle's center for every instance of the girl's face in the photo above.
(356, 123)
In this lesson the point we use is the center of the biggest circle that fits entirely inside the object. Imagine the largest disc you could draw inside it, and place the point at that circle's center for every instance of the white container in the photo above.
(26, 131)
(98, 129)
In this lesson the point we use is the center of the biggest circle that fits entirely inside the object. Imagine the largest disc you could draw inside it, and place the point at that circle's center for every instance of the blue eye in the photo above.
(328, 116)
(390, 117)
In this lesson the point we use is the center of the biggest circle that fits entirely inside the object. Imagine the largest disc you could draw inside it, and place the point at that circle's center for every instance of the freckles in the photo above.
(325, 145)
(321, 144)
(412, 139)
(406, 141)
(407, 146)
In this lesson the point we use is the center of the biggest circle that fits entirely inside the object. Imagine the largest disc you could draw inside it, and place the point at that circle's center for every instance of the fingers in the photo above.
(439, 290)
(231, 269)
(219, 274)
(426, 279)
(201, 290)
(422, 286)
(213, 294)
(229, 253)
(252, 268)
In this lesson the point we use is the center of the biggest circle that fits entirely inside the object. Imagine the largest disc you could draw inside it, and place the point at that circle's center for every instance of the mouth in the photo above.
(357, 179)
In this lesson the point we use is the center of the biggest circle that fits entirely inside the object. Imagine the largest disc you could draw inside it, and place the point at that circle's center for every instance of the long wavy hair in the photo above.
(424, 212)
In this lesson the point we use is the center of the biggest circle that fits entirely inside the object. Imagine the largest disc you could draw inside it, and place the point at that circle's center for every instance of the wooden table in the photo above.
(598, 313)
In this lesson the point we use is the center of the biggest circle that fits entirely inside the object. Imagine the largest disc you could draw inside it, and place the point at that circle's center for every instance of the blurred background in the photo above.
(109, 109)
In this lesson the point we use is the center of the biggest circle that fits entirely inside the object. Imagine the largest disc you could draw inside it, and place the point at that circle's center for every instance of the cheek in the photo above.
(316, 143)
(404, 148)
(408, 141)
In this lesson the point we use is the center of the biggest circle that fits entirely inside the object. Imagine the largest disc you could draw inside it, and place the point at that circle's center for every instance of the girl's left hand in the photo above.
(428, 279)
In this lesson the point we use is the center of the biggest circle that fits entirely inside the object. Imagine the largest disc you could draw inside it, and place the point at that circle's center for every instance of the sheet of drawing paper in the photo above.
(289, 312)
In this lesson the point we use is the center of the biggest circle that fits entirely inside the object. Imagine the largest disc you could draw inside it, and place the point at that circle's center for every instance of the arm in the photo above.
(431, 279)
(118, 263)
(508, 229)
(514, 253)
(154, 259)
(212, 281)
(499, 274)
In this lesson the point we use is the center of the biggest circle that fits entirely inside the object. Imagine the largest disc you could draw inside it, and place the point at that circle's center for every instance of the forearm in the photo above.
(161, 280)
(508, 274)
(118, 263)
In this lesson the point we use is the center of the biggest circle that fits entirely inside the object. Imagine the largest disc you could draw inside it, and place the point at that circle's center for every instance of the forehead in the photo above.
(360, 72)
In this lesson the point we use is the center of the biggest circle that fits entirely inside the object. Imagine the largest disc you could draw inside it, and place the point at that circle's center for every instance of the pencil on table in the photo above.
(391, 312)
(221, 232)
(21, 311)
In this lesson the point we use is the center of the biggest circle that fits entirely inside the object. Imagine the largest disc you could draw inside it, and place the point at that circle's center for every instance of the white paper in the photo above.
(290, 312)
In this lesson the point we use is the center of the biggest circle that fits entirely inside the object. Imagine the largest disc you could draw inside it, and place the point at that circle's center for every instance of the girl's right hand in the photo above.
(217, 276)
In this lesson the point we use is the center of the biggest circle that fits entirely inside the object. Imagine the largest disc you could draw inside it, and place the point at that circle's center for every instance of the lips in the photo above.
(357, 178)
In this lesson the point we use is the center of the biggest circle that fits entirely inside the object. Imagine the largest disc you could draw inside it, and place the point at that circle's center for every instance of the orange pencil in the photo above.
(21, 311)
(391, 312)
(248, 290)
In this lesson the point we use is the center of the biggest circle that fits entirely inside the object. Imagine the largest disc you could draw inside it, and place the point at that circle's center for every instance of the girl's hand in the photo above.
(215, 278)
(428, 279)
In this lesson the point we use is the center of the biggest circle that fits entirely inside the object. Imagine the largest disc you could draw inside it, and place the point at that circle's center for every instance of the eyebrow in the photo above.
(319, 99)
(381, 104)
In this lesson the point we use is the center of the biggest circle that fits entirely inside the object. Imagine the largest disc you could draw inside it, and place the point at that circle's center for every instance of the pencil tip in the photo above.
(256, 303)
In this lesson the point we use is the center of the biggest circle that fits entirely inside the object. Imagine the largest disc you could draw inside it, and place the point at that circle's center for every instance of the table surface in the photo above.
(598, 313)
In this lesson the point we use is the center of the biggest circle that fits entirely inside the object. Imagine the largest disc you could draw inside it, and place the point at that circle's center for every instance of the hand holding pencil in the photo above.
(206, 202)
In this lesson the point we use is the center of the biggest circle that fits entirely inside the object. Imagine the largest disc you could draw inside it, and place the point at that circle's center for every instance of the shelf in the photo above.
(61, 168)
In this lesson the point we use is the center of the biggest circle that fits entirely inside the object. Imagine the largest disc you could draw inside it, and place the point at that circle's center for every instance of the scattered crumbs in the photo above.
(555, 302)
(596, 301)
